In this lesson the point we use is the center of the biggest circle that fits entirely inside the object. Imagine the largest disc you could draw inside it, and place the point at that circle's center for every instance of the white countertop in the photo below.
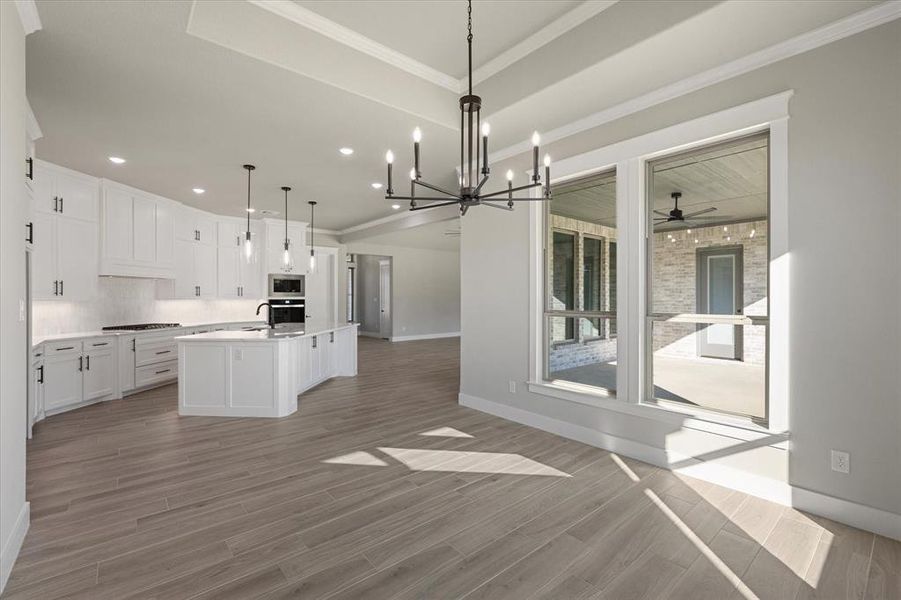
(59, 337)
(272, 335)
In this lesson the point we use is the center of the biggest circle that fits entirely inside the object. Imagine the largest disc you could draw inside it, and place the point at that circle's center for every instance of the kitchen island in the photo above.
(260, 373)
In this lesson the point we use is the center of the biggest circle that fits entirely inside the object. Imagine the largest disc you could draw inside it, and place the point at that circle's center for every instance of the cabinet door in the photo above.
(78, 197)
(184, 270)
(227, 263)
(144, 230)
(228, 234)
(62, 380)
(205, 269)
(36, 407)
(126, 351)
(165, 235)
(78, 258)
(118, 217)
(315, 358)
(186, 225)
(44, 187)
(206, 228)
(99, 373)
(43, 257)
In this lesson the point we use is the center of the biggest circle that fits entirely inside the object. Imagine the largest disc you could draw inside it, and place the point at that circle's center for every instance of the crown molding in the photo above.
(543, 36)
(837, 30)
(28, 14)
(344, 35)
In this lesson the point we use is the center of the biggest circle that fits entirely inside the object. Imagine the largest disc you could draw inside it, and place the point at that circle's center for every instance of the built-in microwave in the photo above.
(290, 311)
(286, 286)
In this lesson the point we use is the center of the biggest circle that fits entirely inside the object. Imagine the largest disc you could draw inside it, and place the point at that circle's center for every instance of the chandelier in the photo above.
(472, 153)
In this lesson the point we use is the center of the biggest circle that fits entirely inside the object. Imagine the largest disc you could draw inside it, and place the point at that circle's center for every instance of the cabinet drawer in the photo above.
(157, 373)
(156, 353)
(64, 347)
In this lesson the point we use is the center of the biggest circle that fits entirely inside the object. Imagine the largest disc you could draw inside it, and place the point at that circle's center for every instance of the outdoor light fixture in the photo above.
(287, 261)
(312, 204)
(471, 183)
(248, 243)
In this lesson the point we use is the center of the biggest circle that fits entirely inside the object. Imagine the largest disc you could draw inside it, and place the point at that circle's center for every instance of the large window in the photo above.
(580, 294)
(707, 288)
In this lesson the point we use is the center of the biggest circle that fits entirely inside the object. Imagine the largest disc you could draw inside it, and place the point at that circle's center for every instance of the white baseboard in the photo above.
(372, 334)
(424, 336)
(844, 511)
(10, 550)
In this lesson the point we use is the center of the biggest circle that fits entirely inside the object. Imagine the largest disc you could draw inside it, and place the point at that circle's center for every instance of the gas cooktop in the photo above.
(141, 327)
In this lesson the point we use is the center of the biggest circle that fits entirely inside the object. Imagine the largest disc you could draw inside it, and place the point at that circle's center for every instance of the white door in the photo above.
(44, 280)
(78, 259)
(62, 380)
(720, 293)
(385, 298)
(99, 372)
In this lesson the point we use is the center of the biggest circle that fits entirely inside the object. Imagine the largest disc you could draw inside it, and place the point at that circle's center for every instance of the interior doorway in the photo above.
(373, 295)
(385, 298)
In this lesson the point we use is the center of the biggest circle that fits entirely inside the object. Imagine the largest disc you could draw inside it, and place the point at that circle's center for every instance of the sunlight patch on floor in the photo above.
(446, 432)
(625, 468)
(364, 459)
(705, 550)
(470, 462)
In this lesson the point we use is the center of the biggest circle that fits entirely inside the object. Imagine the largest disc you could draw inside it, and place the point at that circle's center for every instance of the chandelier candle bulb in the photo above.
(414, 175)
(417, 137)
(536, 139)
(486, 129)
(547, 175)
(389, 158)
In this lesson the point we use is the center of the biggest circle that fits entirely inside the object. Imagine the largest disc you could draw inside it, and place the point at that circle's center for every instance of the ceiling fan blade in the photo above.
(707, 218)
(661, 213)
(699, 212)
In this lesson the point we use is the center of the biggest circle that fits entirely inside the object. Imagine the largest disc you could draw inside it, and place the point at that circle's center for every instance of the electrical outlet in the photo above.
(841, 461)
(512, 386)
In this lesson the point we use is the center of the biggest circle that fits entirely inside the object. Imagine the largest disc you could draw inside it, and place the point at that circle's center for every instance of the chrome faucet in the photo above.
(270, 320)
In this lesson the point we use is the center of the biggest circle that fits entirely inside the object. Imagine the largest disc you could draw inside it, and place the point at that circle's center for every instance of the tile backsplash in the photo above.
(124, 300)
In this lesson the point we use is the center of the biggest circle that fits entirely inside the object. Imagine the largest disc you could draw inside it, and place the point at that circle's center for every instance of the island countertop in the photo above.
(266, 334)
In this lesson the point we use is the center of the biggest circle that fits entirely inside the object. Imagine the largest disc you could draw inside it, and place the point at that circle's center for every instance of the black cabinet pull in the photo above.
(56, 204)
(164, 351)
(100, 344)
(61, 292)
(133, 346)
(81, 363)
(30, 237)
(61, 206)
(88, 357)
(65, 348)
(56, 287)
(41, 371)
(29, 174)
(163, 371)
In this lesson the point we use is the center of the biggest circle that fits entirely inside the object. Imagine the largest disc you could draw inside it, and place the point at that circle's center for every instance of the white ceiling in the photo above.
(434, 32)
(187, 92)
(433, 236)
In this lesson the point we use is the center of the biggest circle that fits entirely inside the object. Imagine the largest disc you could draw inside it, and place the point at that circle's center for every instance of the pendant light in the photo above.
(312, 204)
(287, 259)
(248, 242)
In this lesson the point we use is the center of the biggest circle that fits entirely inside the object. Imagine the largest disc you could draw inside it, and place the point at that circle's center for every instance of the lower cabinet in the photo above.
(78, 372)
(126, 351)
(326, 355)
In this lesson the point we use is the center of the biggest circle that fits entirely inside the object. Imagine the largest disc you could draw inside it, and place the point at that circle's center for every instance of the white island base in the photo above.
(260, 373)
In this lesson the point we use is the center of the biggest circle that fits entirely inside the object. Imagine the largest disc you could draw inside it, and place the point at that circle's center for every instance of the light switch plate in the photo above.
(841, 461)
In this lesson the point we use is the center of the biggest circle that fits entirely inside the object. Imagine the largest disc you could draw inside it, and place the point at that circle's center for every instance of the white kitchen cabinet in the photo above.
(77, 372)
(62, 380)
(99, 370)
(44, 280)
(136, 233)
(275, 246)
(195, 272)
(238, 276)
(64, 192)
(76, 259)
(205, 270)
(36, 389)
(126, 363)
(195, 226)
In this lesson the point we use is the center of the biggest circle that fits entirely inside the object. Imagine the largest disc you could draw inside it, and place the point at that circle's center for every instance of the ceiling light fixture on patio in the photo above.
(470, 192)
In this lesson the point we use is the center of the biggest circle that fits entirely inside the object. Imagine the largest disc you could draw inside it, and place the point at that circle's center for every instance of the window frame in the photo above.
(629, 158)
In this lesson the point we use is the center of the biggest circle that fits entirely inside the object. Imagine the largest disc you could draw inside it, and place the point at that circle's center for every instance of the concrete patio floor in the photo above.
(724, 385)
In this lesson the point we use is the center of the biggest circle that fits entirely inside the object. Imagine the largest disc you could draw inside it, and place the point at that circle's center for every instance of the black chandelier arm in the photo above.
(424, 198)
(481, 183)
(436, 188)
(512, 190)
(539, 199)
(496, 206)
(434, 205)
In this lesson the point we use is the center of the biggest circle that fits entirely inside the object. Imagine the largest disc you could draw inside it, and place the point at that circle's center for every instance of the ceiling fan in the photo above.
(676, 215)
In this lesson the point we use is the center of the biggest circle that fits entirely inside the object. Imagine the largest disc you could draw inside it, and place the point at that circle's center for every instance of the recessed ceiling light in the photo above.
(251, 210)
(116, 160)
(199, 190)
(346, 151)
(376, 185)
(395, 206)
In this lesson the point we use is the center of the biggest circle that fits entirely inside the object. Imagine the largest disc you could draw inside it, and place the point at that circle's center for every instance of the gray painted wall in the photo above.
(844, 182)
(12, 269)
(426, 288)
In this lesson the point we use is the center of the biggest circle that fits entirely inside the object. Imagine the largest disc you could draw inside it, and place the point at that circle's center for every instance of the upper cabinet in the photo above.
(137, 233)
(64, 234)
(275, 236)
(195, 226)
(239, 275)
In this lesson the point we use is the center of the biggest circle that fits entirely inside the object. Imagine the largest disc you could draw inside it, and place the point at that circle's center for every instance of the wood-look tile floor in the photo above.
(381, 486)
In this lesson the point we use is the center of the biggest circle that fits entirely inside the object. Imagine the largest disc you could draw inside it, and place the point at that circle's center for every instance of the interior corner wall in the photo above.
(844, 177)
(13, 345)
(425, 289)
